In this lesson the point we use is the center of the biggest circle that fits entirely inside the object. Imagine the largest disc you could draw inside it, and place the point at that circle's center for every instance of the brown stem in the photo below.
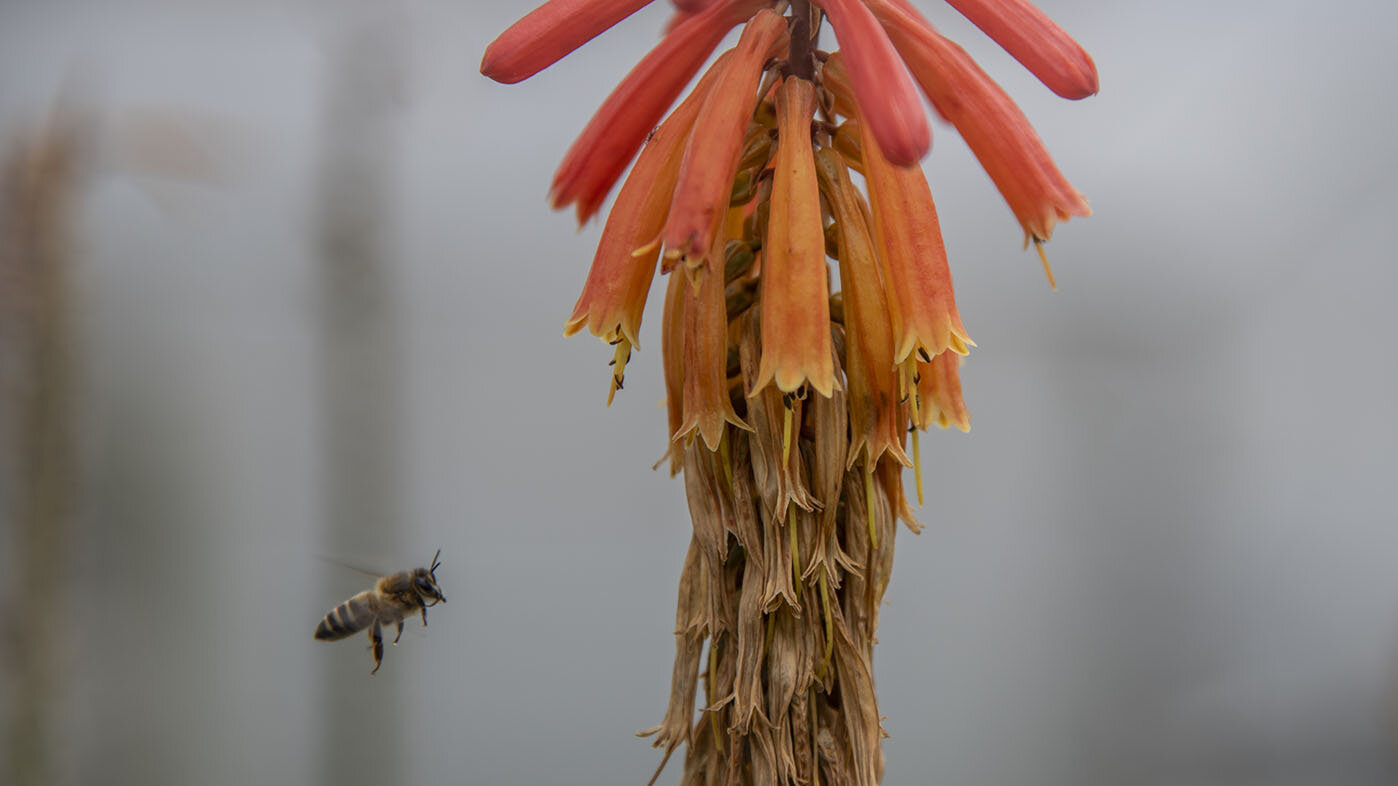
(799, 57)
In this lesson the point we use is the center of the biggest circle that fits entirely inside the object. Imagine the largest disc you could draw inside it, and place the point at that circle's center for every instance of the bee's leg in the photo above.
(400, 633)
(424, 616)
(376, 633)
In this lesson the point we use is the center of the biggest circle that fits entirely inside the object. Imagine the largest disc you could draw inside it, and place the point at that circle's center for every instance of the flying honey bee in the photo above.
(391, 600)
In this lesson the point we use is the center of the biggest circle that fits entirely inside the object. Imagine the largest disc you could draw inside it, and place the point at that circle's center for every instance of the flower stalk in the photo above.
(790, 403)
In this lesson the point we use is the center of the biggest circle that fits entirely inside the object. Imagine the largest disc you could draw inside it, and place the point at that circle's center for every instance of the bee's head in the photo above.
(425, 581)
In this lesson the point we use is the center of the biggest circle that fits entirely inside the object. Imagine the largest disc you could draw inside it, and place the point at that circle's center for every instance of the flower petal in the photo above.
(620, 126)
(886, 95)
(711, 156)
(795, 296)
(1035, 41)
(994, 128)
(548, 33)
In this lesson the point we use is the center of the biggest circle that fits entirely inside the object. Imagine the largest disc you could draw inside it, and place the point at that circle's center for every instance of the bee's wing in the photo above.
(356, 568)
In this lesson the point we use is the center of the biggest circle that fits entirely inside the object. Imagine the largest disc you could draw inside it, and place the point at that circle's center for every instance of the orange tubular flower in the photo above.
(939, 393)
(994, 128)
(873, 395)
(614, 297)
(886, 95)
(619, 128)
(706, 405)
(548, 33)
(921, 302)
(711, 157)
(795, 297)
(1036, 42)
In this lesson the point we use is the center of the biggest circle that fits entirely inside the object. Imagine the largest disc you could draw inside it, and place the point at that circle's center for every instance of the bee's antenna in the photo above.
(435, 563)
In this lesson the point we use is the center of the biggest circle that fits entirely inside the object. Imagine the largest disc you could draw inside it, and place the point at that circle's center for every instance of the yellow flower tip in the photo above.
(917, 465)
(960, 343)
(648, 248)
(574, 324)
(1043, 257)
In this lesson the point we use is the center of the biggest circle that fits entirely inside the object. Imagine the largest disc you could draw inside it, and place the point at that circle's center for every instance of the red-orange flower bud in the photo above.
(1036, 42)
(548, 33)
(886, 94)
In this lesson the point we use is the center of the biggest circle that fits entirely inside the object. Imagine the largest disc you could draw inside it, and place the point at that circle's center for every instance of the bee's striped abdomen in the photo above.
(347, 619)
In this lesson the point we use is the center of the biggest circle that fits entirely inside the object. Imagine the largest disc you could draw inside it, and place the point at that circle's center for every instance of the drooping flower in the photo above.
(1036, 42)
(550, 32)
(874, 425)
(921, 303)
(795, 296)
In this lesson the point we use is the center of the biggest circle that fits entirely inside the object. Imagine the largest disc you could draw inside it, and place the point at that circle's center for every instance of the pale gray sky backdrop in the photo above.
(1167, 553)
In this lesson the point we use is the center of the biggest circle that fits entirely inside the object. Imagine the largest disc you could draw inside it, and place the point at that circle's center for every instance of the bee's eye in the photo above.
(425, 586)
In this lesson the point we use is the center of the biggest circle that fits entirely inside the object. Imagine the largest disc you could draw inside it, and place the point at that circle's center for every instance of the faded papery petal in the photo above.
(922, 306)
(548, 33)
(776, 470)
(861, 707)
(706, 403)
(672, 352)
(992, 125)
(939, 391)
(828, 419)
(795, 295)
(614, 297)
(747, 694)
(886, 95)
(875, 427)
(619, 128)
(1036, 42)
(711, 156)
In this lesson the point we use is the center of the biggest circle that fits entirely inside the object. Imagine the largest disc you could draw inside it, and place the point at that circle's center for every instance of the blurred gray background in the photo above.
(1165, 554)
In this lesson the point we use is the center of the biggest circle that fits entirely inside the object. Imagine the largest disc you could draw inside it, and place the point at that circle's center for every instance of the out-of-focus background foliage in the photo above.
(311, 298)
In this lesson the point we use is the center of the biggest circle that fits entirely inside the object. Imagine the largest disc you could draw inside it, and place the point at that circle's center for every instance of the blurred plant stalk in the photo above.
(359, 373)
(42, 175)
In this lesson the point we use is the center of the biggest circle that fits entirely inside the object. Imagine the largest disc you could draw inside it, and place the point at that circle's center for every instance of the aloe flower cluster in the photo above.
(794, 405)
